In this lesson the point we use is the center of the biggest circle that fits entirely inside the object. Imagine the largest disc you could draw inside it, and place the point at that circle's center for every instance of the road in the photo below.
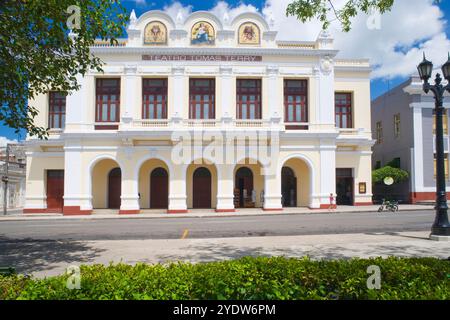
(217, 227)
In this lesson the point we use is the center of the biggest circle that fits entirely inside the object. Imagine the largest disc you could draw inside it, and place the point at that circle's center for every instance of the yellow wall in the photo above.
(302, 174)
(100, 182)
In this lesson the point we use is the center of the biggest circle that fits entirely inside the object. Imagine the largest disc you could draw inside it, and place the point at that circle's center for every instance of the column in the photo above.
(77, 201)
(76, 107)
(227, 100)
(272, 188)
(417, 163)
(225, 187)
(129, 199)
(177, 190)
(35, 196)
(325, 95)
(131, 95)
(177, 93)
(327, 172)
(273, 94)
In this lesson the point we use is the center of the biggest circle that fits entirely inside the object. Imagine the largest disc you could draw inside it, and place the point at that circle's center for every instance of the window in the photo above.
(295, 103)
(377, 164)
(57, 110)
(343, 110)
(154, 99)
(379, 132)
(248, 99)
(107, 100)
(202, 95)
(445, 165)
(444, 121)
(397, 125)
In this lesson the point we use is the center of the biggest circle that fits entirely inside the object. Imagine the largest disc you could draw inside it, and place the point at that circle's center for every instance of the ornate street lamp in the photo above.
(441, 226)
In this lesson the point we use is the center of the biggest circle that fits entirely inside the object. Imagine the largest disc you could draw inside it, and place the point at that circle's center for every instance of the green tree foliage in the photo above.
(306, 10)
(37, 54)
(397, 174)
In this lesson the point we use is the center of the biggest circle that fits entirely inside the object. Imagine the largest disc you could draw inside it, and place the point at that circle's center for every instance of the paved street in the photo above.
(217, 227)
(48, 247)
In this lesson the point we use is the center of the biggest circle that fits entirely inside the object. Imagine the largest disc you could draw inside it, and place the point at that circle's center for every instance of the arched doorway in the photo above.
(243, 188)
(296, 183)
(288, 187)
(201, 188)
(114, 188)
(159, 189)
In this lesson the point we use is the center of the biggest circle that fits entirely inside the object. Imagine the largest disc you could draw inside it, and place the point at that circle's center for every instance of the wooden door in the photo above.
(201, 188)
(288, 187)
(159, 189)
(114, 188)
(55, 190)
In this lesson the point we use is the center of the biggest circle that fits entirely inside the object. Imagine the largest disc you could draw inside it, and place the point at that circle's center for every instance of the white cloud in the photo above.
(394, 50)
(175, 8)
(223, 7)
(4, 141)
(140, 2)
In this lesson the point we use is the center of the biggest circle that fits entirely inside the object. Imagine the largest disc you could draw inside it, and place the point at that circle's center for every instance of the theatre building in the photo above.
(205, 112)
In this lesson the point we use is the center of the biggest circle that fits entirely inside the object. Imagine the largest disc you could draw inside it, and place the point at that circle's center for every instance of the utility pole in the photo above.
(5, 179)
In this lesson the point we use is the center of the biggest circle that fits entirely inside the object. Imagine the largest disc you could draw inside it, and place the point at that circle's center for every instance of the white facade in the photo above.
(313, 149)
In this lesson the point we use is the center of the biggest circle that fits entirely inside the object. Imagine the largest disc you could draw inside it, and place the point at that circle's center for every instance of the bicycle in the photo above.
(388, 206)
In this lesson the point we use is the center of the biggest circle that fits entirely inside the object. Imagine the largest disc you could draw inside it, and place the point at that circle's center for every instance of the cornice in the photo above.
(217, 50)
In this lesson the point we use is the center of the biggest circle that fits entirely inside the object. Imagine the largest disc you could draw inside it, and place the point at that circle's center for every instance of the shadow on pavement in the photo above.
(30, 255)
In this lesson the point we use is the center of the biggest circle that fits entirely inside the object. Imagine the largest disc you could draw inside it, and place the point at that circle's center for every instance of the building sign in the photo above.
(202, 58)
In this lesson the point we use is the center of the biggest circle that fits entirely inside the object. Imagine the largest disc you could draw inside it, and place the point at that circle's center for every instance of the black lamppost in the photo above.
(441, 226)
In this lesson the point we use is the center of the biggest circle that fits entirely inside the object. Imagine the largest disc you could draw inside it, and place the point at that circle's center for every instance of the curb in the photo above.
(37, 217)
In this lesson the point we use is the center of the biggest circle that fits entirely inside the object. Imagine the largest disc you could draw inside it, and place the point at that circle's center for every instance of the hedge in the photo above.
(245, 279)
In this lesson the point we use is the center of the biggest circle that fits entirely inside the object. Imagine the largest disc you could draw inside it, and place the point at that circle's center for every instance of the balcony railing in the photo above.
(151, 123)
(350, 131)
(201, 123)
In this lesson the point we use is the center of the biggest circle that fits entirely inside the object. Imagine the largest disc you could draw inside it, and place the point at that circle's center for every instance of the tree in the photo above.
(38, 52)
(306, 10)
(397, 174)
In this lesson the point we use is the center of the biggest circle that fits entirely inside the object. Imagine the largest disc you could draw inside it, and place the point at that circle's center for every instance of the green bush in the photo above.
(398, 175)
(246, 278)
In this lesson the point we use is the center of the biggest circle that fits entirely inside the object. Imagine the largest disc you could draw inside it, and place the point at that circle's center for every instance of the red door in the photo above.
(55, 190)
(114, 188)
(201, 188)
(159, 189)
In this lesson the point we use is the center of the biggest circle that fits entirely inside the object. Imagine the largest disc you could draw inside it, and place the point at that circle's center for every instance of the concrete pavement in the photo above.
(50, 257)
(17, 215)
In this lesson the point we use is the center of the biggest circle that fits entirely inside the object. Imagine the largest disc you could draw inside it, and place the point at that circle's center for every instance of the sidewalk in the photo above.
(47, 258)
(200, 213)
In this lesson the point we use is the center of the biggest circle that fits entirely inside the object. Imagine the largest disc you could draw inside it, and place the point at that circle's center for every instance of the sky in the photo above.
(394, 42)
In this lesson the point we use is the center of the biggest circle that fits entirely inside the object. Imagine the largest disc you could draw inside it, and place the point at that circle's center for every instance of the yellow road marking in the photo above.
(185, 233)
